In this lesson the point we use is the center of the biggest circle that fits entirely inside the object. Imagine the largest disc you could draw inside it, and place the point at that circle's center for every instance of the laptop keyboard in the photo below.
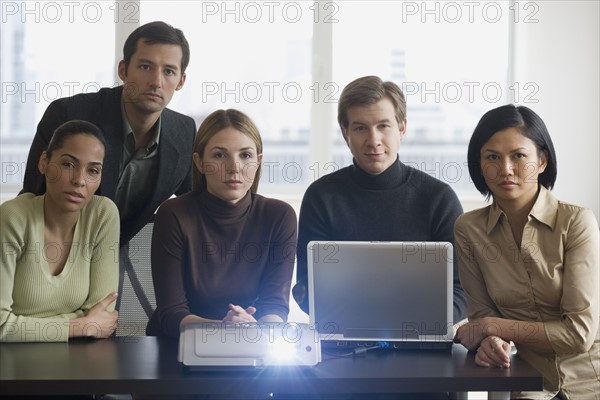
(385, 345)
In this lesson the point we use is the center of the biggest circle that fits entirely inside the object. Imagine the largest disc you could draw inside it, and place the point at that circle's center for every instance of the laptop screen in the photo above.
(373, 291)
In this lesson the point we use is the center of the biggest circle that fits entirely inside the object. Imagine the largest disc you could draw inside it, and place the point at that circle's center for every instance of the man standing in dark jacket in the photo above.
(149, 147)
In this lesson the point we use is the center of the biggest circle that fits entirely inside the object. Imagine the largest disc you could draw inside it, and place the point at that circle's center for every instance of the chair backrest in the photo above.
(136, 300)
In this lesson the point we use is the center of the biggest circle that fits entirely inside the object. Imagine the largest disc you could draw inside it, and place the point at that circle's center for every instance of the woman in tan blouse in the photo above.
(529, 262)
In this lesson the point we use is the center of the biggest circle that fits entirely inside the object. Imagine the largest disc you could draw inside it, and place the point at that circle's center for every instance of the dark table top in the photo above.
(148, 365)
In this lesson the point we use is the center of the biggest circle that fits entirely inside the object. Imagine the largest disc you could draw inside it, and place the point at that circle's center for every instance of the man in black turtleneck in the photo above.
(378, 198)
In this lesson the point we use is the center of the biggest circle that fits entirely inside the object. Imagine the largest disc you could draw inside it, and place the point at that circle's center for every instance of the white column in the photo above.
(323, 117)
(128, 20)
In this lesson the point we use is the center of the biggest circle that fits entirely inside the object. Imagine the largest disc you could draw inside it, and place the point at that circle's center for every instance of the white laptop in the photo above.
(385, 294)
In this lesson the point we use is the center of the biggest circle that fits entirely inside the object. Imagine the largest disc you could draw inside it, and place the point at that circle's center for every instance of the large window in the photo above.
(255, 57)
(450, 59)
(284, 63)
(49, 50)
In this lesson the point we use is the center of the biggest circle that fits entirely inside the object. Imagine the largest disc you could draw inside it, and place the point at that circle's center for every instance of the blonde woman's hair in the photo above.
(215, 123)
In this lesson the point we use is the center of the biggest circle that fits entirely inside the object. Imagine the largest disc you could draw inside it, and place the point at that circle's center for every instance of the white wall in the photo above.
(560, 53)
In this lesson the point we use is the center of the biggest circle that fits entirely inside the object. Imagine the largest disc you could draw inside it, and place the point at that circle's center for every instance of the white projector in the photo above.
(216, 345)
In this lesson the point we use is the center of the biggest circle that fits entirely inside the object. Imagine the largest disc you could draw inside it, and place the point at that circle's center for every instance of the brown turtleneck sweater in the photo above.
(207, 253)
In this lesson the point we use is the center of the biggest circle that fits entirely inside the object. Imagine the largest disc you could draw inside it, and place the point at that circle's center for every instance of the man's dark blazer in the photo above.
(104, 109)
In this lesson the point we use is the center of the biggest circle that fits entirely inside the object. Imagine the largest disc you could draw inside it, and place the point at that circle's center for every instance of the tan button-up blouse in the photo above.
(552, 278)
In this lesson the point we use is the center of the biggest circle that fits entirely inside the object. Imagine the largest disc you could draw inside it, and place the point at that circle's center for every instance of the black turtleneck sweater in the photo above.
(400, 204)
(207, 253)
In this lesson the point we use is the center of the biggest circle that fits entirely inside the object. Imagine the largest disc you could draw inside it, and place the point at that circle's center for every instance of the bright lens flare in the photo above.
(282, 350)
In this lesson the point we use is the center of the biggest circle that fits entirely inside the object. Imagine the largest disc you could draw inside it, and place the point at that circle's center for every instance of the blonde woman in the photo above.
(222, 252)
